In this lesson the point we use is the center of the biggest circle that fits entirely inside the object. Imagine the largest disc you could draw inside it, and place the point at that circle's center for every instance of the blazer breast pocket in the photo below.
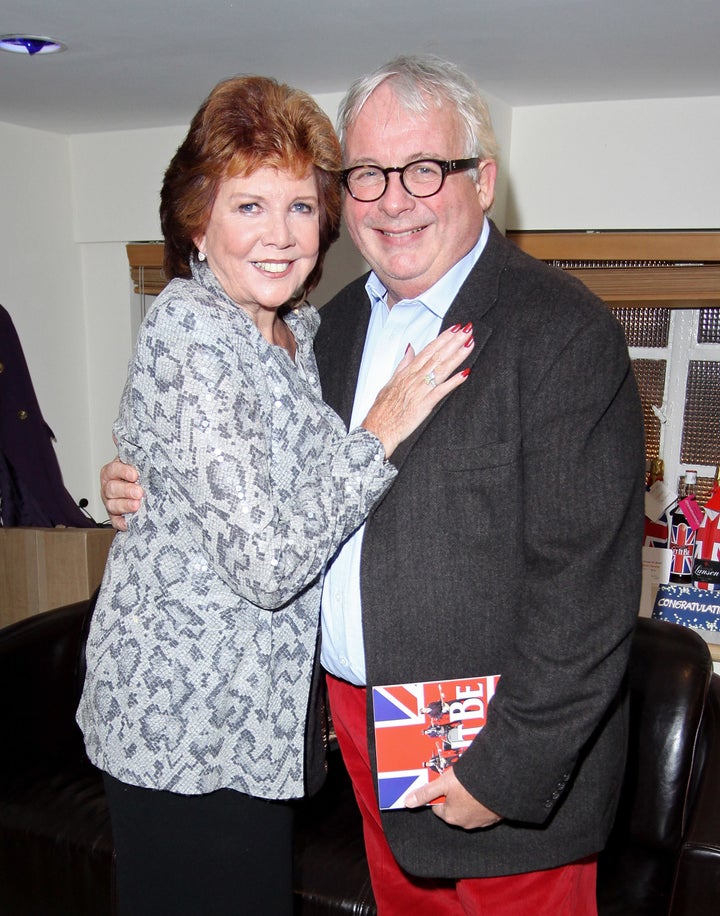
(494, 456)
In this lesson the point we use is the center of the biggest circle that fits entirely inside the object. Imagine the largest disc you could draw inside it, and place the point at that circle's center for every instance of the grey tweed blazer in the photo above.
(201, 649)
(510, 544)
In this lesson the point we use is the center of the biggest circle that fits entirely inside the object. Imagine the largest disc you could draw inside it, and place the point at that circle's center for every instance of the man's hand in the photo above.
(460, 808)
(120, 492)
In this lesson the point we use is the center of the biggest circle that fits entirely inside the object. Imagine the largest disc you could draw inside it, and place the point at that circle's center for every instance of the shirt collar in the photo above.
(440, 296)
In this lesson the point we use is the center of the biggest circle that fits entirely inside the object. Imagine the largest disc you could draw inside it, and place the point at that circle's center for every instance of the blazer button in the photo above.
(22, 414)
(2, 367)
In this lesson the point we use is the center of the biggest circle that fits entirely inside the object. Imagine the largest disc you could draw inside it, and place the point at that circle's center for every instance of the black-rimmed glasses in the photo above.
(421, 178)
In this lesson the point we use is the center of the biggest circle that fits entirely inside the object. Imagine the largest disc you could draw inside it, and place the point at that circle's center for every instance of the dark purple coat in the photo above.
(31, 485)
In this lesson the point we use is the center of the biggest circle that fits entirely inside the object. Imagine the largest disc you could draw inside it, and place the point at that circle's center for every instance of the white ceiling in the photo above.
(142, 63)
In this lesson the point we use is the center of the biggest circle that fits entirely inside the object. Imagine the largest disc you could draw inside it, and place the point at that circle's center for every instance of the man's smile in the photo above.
(401, 233)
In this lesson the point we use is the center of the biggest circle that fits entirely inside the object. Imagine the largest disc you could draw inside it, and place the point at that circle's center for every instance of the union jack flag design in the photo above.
(656, 533)
(682, 544)
(421, 729)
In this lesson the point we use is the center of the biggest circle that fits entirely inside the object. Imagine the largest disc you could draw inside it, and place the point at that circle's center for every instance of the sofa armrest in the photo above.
(697, 882)
(39, 689)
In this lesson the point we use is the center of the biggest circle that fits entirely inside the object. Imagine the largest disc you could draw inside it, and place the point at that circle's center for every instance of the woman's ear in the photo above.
(199, 242)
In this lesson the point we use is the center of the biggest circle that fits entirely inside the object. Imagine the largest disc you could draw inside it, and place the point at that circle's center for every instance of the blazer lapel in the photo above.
(480, 291)
(339, 372)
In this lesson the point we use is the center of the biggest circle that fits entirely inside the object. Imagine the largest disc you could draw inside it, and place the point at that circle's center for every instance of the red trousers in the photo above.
(565, 891)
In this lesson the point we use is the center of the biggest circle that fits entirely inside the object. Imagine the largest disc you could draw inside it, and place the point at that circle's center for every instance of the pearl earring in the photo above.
(201, 255)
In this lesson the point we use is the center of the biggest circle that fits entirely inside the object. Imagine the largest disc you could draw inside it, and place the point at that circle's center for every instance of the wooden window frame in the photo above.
(687, 277)
(145, 259)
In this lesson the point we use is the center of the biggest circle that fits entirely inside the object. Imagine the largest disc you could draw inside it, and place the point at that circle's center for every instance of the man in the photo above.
(512, 534)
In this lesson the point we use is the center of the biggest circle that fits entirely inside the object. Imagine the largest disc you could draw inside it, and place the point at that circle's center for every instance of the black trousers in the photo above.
(221, 854)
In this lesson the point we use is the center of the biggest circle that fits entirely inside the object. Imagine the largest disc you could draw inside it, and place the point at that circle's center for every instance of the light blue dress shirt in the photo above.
(410, 321)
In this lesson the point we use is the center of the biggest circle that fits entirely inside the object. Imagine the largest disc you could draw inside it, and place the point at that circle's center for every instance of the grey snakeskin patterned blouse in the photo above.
(201, 647)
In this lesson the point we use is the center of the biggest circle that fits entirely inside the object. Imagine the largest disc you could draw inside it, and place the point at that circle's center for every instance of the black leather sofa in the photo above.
(56, 851)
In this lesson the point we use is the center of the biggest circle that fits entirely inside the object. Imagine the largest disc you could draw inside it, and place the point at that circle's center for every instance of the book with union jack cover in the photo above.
(422, 729)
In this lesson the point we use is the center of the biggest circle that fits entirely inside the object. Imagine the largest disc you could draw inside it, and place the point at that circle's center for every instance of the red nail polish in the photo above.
(465, 372)
(469, 343)
(467, 328)
(454, 329)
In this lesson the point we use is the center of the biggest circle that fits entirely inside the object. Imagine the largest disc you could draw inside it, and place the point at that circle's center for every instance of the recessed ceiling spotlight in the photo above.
(30, 44)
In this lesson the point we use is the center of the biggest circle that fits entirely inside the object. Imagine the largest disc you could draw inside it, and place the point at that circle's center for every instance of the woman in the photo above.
(201, 650)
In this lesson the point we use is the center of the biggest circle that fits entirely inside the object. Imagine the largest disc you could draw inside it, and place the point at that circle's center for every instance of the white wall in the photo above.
(116, 178)
(616, 165)
(71, 204)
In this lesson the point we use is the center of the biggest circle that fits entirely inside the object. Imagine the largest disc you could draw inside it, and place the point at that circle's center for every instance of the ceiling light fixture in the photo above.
(31, 44)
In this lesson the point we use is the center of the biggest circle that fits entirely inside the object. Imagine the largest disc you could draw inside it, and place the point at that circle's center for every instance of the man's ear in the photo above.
(487, 173)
